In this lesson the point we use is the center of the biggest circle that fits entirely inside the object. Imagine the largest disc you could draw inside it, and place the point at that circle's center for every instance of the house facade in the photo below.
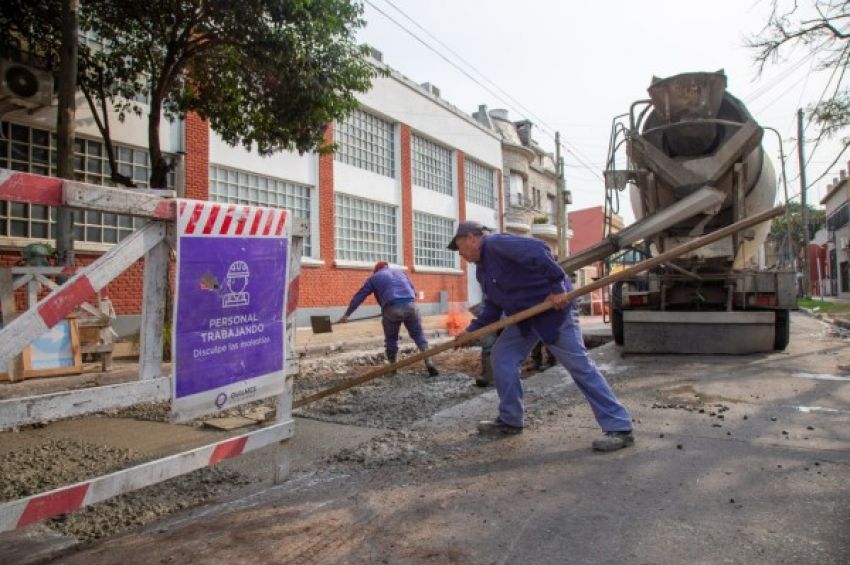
(587, 225)
(408, 168)
(836, 270)
(530, 180)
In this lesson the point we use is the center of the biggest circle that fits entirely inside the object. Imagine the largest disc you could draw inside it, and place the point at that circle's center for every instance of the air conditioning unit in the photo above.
(25, 85)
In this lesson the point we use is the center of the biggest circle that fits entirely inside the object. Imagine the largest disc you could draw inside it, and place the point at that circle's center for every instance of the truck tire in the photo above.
(617, 325)
(616, 301)
(782, 330)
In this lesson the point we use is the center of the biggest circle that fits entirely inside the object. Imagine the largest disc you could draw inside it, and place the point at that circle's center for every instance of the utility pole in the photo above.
(560, 208)
(785, 189)
(65, 126)
(804, 213)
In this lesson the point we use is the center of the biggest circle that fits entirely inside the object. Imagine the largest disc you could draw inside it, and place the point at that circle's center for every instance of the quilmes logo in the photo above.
(235, 396)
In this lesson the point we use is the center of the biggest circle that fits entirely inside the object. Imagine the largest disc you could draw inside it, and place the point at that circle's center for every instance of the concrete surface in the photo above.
(739, 459)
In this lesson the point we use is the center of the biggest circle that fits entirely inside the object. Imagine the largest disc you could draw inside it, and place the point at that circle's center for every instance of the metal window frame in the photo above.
(431, 234)
(26, 220)
(432, 165)
(364, 230)
(366, 141)
(479, 183)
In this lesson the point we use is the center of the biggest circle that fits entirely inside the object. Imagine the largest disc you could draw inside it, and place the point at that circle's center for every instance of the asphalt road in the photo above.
(739, 459)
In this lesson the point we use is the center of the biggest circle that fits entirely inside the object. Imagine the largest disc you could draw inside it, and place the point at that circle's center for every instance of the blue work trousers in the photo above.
(394, 315)
(512, 348)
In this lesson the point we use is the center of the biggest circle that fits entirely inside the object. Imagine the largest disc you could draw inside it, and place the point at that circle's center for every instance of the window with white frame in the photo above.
(33, 150)
(432, 166)
(479, 184)
(239, 187)
(431, 234)
(366, 141)
(365, 230)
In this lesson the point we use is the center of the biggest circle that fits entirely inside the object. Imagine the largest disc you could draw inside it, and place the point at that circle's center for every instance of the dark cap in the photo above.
(466, 228)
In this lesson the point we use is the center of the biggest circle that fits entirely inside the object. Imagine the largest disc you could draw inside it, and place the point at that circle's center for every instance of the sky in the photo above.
(571, 66)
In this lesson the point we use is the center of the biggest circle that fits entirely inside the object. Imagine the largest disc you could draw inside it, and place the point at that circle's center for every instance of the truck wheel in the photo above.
(782, 330)
(617, 312)
(617, 326)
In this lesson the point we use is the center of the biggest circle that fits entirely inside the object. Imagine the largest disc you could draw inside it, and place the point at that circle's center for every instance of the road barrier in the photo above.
(152, 242)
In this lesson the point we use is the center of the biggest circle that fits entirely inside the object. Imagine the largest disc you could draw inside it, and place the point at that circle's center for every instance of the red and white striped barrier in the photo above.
(25, 511)
(205, 218)
(146, 242)
(50, 191)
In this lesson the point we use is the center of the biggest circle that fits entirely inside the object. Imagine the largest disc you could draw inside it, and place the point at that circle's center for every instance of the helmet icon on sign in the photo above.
(234, 286)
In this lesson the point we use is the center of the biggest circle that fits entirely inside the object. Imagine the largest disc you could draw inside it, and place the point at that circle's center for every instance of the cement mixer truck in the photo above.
(693, 164)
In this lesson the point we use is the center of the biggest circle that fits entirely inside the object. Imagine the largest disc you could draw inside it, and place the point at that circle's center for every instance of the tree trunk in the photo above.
(65, 125)
(159, 166)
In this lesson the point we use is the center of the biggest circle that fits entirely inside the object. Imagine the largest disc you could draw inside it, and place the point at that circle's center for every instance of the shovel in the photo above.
(323, 325)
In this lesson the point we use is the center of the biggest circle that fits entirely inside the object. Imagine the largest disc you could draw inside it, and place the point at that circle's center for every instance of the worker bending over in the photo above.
(395, 294)
(516, 273)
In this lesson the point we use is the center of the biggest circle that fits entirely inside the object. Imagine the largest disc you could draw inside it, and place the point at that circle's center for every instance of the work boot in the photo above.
(497, 427)
(612, 441)
(432, 370)
(429, 364)
(390, 360)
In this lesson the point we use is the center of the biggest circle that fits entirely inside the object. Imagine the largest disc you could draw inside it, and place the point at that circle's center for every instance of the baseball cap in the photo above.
(465, 228)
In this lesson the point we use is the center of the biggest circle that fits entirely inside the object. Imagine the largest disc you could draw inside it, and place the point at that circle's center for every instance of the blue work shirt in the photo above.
(516, 273)
(390, 286)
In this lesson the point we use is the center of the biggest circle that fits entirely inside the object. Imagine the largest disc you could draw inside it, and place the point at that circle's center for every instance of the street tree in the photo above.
(780, 229)
(821, 28)
(267, 74)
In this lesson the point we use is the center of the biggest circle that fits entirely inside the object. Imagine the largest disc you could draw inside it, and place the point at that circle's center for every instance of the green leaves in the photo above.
(268, 74)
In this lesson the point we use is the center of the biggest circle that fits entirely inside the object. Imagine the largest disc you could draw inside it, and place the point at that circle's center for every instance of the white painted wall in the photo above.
(366, 184)
(287, 165)
(483, 214)
(430, 202)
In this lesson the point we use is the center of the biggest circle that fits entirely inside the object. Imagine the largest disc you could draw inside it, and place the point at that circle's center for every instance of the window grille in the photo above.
(365, 230)
(838, 219)
(479, 184)
(432, 166)
(33, 150)
(431, 234)
(367, 142)
(239, 187)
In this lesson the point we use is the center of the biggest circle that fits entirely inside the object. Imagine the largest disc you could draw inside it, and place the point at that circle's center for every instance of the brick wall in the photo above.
(125, 291)
(197, 164)
(326, 204)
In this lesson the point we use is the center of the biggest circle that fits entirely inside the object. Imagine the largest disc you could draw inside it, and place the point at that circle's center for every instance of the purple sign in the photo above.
(229, 320)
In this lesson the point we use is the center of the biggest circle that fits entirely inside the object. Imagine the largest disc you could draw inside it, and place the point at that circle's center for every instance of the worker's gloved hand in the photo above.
(342, 320)
(558, 301)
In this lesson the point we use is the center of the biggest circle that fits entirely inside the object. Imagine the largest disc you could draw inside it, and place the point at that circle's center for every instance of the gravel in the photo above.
(54, 463)
(390, 403)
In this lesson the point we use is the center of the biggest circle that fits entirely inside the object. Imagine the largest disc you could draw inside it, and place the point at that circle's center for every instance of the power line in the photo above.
(519, 108)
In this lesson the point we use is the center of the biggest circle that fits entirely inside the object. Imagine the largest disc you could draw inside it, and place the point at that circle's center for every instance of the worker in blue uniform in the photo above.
(396, 296)
(516, 273)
